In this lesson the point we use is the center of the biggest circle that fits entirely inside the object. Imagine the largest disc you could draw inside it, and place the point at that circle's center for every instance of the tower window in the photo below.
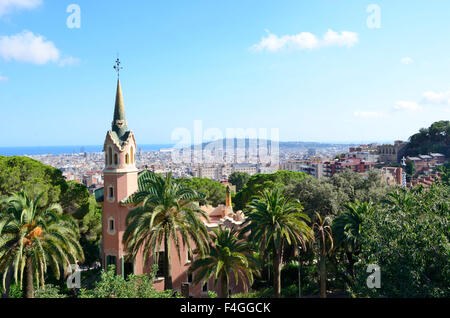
(127, 159)
(132, 154)
(110, 155)
(111, 226)
(116, 159)
(111, 193)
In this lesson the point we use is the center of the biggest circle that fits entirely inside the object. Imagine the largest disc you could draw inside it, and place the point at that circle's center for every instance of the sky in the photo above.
(324, 71)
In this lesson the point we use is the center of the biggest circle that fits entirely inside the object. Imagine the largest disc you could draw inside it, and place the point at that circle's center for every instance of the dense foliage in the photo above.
(228, 257)
(50, 291)
(239, 179)
(111, 285)
(343, 224)
(272, 221)
(33, 177)
(436, 138)
(29, 175)
(34, 239)
(408, 237)
(214, 191)
(329, 196)
(262, 181)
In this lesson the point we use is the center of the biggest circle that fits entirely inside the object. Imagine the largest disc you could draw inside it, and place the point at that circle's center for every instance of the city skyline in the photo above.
(332, 78)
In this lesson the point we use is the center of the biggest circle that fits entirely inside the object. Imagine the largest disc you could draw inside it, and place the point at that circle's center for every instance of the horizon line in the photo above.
(353, 142)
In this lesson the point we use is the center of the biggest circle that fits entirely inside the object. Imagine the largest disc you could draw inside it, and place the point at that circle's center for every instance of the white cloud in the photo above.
(8, 6)
(407, 106)
(407, 60)
(30, 48)
(272, 42)
(369, 114)
(305, 40)
(69, 61)
(442, 98)
(346, 38)
(27, 47)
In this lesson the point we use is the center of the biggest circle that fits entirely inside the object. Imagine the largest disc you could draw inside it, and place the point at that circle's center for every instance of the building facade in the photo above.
(330, 168)
(313, 168)
(391, 153)
(392, 175)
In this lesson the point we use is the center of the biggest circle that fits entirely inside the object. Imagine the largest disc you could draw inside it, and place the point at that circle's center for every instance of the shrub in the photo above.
(50, 291)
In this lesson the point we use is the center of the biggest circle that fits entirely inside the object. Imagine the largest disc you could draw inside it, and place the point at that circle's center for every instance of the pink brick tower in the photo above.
(120, 181)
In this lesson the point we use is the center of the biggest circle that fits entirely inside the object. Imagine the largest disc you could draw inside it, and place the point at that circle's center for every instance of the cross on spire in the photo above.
(117, 67)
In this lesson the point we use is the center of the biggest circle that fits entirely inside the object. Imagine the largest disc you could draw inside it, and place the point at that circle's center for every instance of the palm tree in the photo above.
(228, 255)
(167, 214)
(273, 220)
(33, 239)
(347, 228)
(401, 199)
(323, 234)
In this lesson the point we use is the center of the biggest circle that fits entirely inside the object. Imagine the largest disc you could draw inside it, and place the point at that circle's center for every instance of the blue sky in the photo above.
(312, 69)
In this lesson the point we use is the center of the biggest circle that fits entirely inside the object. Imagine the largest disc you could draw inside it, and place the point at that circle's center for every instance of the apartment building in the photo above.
(330, 168)
(222, 172)
(313, 168)
(426, 162)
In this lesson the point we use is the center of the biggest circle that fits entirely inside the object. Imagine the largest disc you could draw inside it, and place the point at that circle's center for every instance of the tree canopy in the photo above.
(436, 138)
(239, 179)
(262, 181)
(29, 175)
(408, 238)
(214, 191)
(33, 177)
(328, 196)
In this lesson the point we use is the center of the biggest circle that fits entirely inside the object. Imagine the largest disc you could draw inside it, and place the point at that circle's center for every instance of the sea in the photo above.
(61, 150)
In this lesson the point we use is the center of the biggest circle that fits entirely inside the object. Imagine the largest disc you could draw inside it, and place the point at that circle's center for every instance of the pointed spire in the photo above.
(119, 111)
(119, 124)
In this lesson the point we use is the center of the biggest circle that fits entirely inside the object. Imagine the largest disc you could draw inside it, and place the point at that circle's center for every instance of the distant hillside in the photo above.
(283, 145)
(436, 138)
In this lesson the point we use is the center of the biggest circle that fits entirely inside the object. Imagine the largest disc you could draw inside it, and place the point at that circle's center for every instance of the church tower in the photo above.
(120, 181)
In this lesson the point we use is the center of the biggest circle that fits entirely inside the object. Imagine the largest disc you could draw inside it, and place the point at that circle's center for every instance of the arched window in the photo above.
(111, 226)
(110, 155)
(110, 192)
(127, 159)
(132, 154)
(106, 158)
(116, 159)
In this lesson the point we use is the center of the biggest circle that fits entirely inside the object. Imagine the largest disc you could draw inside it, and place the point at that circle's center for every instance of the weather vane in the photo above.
(117, 67)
